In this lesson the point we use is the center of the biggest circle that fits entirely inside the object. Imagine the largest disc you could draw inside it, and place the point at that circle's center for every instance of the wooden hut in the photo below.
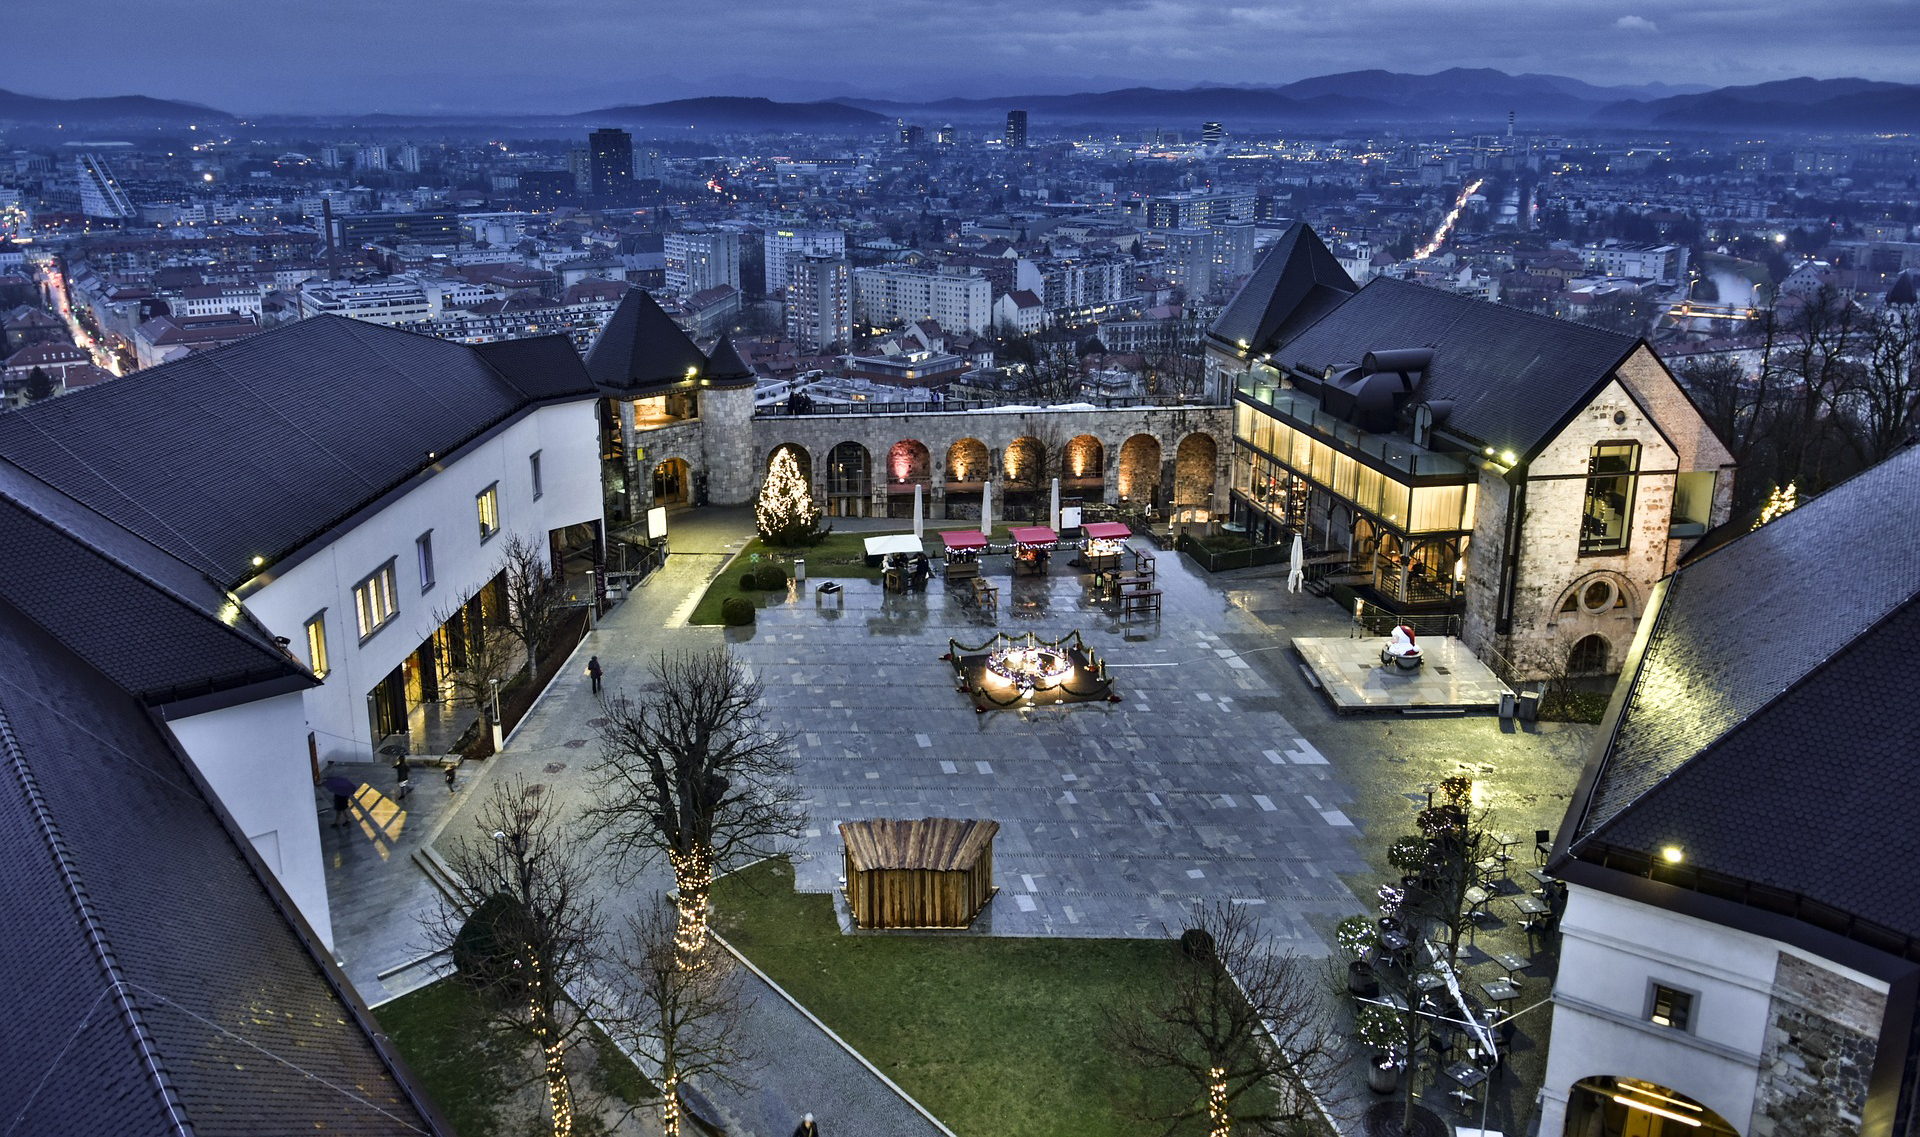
(935, 872)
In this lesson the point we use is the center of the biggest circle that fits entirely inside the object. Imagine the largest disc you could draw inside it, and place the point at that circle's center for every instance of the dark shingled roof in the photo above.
(119, 870)
(543, 367)
(725, 368)
(254, 449)
(1767, 730)
(155, 625)
(641, 349)
(1513, 377)
(1903, 291)
(1297, 281)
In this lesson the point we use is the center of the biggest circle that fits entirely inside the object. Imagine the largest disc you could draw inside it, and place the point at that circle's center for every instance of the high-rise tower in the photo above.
(1016, 130)
(610, 162)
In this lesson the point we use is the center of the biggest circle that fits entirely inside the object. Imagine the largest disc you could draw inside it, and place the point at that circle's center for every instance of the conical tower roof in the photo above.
(725, 368)
(1296, 282)
(641, 349)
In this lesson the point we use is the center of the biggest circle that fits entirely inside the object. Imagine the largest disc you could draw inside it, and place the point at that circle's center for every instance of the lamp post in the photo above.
(499, 737)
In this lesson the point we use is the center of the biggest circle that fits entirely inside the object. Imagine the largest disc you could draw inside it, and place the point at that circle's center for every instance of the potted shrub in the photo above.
(1380, 1035)
(1409, 854)
(1358, 936)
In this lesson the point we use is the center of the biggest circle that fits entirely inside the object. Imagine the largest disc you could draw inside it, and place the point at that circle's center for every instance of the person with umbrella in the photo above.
(342, 790)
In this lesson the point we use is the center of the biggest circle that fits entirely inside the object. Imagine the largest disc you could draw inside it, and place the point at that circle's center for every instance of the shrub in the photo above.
(773, 576)
(487, 948)
(736, 612)
(1357, 936)
(749, 580)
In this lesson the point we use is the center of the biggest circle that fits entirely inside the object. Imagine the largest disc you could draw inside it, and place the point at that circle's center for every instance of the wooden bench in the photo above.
(1139, 600)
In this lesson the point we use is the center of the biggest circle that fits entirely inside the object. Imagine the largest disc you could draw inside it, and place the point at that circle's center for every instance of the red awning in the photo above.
(1035, 535)
(963, 539)
(1107, 531)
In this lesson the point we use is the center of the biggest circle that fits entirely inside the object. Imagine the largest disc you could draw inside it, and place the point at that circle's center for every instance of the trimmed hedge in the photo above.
(736, 612)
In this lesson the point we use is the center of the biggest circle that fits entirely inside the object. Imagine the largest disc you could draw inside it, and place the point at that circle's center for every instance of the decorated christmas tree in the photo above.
(785, 511)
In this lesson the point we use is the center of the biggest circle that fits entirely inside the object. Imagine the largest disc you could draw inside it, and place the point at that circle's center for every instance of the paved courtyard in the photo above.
(1221, 774)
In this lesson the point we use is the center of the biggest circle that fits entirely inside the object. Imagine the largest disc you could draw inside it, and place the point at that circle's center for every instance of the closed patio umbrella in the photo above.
(1297, 566)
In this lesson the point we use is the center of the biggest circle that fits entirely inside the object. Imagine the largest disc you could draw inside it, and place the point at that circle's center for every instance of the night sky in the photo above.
(572, 55)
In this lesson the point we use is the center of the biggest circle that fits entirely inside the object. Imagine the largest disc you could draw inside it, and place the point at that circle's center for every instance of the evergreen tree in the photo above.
(39, 385)
(785, 511)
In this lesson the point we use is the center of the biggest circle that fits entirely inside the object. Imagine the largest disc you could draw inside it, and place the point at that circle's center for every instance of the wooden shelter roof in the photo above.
(937, 844)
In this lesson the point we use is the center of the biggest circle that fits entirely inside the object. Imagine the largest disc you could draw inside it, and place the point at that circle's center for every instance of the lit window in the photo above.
(317, 643)
(423, 548)
(1605, 522)
(373, 601)
(1670, 1007)
(489, 503)
(533, 460)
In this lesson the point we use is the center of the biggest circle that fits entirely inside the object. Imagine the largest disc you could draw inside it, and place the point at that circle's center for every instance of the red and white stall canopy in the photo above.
(962, 539)
(1035, 535)
(1107, 531)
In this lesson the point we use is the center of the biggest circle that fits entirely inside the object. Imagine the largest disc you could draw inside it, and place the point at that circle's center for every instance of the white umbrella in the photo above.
(1053, 508)
(919, 514)
(986, 509)
(1297, 568)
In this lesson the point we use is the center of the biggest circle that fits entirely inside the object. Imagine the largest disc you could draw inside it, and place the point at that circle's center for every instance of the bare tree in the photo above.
(689, 771)
(533, 595)
(476, 655)
(1245, 1026)
(690, 1018)
(1815, 354)
(1886, 399)
(523, 928)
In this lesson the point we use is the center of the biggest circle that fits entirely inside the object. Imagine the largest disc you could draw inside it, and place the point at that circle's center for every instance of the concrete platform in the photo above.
(1349, 672)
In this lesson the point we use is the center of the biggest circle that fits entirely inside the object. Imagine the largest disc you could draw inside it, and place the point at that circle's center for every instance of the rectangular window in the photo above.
(317, 643)
(533, 460)
(423, 548)
(373, 602)
(489, 504)
(1605, 521)
(1692, 504)
(1670, 1007)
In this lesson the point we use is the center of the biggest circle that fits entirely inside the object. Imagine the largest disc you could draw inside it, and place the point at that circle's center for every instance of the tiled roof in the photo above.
(541, 367)
(119, 871)
(1512, 376)
(1766, 731)
(1296, 281)
(255, 448)
(156, 626)
(642, 349)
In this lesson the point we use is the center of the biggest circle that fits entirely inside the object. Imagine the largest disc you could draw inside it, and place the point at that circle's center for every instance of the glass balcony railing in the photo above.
(1304, 413)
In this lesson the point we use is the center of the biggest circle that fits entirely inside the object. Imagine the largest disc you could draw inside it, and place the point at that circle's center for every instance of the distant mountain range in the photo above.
(102, 111)
(1480, 96)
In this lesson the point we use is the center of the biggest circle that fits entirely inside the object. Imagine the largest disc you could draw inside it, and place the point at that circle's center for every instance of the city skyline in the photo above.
(550, 57)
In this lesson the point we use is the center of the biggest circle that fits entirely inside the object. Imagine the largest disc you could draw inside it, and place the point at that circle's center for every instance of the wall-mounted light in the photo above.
(1672, 855)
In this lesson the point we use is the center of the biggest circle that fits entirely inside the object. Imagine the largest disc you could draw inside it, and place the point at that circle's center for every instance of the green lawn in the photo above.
(471, 1073)
(838, 556)
(997, 1037)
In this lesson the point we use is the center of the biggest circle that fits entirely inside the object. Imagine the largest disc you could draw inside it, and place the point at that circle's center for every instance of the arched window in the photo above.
(1588, 656)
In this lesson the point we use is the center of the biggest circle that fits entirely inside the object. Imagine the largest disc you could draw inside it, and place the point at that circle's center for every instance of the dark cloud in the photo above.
(550, 55)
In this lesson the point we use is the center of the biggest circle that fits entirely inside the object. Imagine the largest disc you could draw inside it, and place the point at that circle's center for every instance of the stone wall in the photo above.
(1822, 1035)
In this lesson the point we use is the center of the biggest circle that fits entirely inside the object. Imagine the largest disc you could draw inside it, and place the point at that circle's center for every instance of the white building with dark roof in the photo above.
(1740, 948)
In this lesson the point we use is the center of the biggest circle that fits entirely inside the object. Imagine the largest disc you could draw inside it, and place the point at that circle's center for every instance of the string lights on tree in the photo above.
(785, 512)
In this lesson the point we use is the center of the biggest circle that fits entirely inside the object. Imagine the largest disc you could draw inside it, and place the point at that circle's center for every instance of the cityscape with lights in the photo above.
(1313, 606)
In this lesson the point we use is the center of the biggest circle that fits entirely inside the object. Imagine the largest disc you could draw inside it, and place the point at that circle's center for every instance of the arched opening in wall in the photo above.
(1193, 470)
(800, 457)
(1589, 656)
(1612, 1106)
(1027, 481)
(672, 482)
(849, 480)
(1597, 596)
(1083, 468)
(908, 465)
(1366, 541)
(968, 466)
(1139, 474)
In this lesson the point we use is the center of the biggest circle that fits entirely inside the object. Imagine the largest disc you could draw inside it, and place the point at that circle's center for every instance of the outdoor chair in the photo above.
(1542, 845)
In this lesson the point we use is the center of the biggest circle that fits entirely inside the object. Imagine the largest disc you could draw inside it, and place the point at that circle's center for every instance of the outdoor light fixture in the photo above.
(1672, 854)
(258, 561)
(1643, 1107)
(1508, 457)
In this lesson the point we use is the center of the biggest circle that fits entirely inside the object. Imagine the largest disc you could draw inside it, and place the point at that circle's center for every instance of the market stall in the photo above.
(1033, 547)
(878, 548)
(962, 549)
(934, 872)
(1027, 671)
(1105, 544)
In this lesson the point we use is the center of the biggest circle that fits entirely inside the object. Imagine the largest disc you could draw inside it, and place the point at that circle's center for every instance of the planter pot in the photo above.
(1382, 1079)
(1361, 980)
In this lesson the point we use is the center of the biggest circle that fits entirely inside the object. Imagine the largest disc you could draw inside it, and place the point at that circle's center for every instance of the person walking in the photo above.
(451, 767)
(403, 775)
(593, 672)
(807, 1128)
(340, 804)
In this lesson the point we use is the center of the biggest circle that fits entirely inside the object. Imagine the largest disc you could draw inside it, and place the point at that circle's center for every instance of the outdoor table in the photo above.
(1542, 877)
(1506, 841)
(1512, 961)
(1501, 990)
(1467, 1074)
(1394, 1001)
(1529, 905)
(1430, 980)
